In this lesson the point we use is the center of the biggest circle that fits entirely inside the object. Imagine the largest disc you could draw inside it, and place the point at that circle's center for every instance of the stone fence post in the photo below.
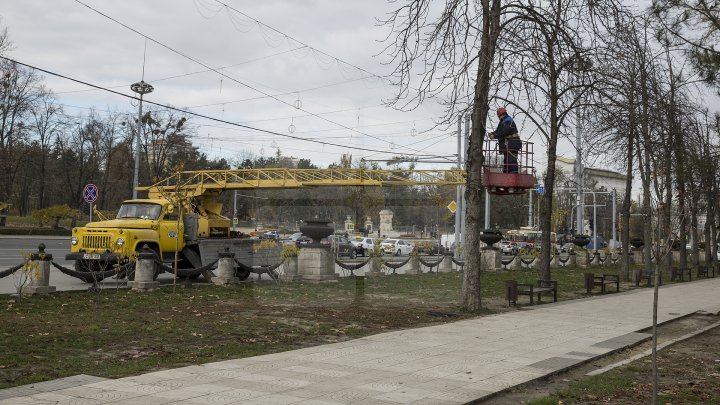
(40, 273)
(445, 265)
(414, 266)
(581, 259)
(144, 272)
(226, 269)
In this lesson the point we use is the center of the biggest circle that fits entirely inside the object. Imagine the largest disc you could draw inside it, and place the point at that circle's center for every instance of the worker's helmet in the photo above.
(501, 111)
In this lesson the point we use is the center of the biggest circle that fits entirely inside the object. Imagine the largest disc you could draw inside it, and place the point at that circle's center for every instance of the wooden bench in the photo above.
(542, 287)
(679, 273)
(606, 279)
(704, 271)
(649, 276)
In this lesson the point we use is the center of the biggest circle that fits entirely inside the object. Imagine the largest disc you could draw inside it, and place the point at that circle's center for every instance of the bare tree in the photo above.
(18, 95)
(546, 60)
(46, 123)
(450, 53)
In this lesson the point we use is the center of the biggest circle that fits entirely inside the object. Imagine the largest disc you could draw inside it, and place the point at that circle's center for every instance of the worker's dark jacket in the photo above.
(507, 134)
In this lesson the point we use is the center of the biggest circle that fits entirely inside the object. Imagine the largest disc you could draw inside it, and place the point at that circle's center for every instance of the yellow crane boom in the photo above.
(213, 182)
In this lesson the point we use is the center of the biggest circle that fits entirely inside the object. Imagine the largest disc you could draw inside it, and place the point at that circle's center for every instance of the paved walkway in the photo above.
(446, 364)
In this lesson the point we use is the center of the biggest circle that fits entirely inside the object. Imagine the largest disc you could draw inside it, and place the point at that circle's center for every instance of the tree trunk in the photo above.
(472, 300)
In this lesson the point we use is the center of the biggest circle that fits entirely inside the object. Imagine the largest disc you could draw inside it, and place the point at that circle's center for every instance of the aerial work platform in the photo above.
(495, 177)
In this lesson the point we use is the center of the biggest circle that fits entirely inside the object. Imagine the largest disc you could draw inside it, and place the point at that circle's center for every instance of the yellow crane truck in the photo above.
(182, 213)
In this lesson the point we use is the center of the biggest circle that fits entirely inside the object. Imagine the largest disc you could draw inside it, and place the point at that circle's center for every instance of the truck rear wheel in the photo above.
(191, 259)
(242, 274)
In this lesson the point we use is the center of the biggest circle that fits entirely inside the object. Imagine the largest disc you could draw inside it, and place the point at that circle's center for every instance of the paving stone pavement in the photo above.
(452, 363)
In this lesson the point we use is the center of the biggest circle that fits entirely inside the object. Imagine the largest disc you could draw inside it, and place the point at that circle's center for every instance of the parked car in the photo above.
(596, 243)
(362, 245)
(271, 235)
(396, 247)
(567, 248)
(508, 248)
(298, 239)
(524, 247)
(340, 246)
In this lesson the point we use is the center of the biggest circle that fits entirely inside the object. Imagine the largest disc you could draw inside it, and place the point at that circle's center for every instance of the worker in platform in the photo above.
(508, 139)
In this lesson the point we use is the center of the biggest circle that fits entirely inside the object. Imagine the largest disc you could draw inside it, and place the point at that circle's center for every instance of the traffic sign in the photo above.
(540, 189)
(90, 193)
(452, 207)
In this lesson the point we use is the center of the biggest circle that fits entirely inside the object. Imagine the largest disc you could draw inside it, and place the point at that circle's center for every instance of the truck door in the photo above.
(168, 232)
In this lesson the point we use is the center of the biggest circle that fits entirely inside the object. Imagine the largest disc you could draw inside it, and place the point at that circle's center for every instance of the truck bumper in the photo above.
(102, 257)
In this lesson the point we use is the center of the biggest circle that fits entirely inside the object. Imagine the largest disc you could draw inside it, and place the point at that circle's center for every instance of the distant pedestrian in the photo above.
(508, 139)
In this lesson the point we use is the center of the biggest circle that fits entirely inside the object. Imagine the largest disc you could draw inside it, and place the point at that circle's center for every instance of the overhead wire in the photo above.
(233, 128)
(196, 73)
(285, 35)
(223, 74)
(185, 111)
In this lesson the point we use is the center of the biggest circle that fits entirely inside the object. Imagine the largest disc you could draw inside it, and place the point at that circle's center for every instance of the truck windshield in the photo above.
(143, 211)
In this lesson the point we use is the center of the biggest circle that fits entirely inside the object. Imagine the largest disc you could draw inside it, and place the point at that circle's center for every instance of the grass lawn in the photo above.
(118, 332)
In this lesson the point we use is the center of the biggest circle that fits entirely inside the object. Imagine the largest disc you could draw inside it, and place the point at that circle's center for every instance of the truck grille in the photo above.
(96, 241)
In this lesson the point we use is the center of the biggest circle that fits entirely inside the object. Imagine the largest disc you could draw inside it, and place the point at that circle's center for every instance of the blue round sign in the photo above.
(90, 193)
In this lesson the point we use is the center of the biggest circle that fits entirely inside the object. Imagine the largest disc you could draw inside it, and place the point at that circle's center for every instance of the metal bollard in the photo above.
(589, 279)
(359, 285)
(511, 291)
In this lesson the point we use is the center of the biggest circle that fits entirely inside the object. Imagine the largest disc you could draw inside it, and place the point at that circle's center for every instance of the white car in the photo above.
(508, 248)
(396, 247)
(362, 245)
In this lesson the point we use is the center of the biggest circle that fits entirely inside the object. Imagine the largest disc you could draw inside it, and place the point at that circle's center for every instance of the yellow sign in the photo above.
(235, 221)
(452, 207)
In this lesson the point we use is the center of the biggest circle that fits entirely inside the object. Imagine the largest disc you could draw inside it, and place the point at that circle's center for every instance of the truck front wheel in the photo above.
(87, 266)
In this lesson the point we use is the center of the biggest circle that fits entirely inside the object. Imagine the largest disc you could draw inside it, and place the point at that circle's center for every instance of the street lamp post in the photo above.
(141, 88)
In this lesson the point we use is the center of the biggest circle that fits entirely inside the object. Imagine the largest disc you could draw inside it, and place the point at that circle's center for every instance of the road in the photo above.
(13, 250)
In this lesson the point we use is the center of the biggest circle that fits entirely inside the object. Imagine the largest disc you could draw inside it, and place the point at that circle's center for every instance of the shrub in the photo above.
(54, 214)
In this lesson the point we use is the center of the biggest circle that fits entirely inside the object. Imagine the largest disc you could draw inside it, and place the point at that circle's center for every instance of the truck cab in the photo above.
(142, 222)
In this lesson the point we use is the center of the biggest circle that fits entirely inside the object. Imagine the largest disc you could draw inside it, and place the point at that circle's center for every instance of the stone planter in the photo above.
(490, 259)
(581, 258)
(581, 240)
(490, 237)
(316, 229)
(316, 264)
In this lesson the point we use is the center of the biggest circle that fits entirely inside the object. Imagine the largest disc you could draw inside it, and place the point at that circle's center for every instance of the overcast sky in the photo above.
(268, 74)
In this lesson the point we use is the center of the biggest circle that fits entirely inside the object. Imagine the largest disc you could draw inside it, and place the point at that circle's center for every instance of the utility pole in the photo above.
(579, 177)
(462, 187)
(141, 88)
(530, 209)
(614, 214)
(458, 191)
(234, 211)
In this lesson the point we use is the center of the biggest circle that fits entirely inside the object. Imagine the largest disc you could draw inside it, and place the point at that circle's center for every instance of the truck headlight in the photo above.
(120, 241)
(74, 240)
